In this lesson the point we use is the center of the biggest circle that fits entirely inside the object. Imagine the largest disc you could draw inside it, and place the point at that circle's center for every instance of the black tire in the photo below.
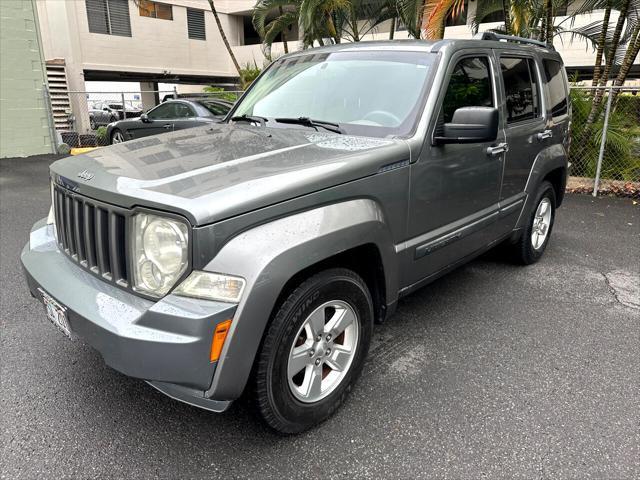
(92, 124)
(273, 397)
(523, 251)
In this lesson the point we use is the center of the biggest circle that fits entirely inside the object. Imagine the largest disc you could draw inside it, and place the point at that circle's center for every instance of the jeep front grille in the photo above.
(94, 234)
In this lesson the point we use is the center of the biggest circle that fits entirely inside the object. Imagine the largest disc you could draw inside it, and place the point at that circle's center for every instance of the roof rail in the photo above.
(511, 38)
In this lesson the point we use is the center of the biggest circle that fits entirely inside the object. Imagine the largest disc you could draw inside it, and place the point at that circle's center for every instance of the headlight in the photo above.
(160, 253)
(212, 286)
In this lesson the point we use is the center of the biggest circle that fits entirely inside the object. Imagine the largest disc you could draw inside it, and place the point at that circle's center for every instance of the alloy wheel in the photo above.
(541, 223)
(323, 351)
(117, 138)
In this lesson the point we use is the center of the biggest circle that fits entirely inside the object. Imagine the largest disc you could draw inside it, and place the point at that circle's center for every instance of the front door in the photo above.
(159, 120)
(455, 188)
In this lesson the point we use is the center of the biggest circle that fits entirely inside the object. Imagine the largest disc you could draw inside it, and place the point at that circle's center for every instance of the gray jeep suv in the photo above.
(257, 254)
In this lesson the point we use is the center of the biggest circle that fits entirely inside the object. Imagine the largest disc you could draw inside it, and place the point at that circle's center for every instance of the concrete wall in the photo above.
(24, 116)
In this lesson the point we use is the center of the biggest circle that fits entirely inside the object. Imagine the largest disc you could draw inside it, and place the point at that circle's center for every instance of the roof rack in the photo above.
(511, 38)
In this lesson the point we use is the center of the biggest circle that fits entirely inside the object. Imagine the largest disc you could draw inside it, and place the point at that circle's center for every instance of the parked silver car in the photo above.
(169, 116)
(255, 255)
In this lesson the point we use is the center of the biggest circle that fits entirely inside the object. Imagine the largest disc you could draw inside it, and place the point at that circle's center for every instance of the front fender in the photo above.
(268, 255)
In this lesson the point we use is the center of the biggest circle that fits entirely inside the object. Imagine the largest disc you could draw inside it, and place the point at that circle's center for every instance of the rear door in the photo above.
(526, 127)
(186, 117)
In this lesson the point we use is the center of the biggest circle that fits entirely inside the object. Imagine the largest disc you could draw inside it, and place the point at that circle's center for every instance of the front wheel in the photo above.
(117, 137)
(535, 236)
(313, 350)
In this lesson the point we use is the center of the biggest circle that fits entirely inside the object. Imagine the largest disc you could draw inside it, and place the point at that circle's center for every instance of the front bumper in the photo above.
(166, 342)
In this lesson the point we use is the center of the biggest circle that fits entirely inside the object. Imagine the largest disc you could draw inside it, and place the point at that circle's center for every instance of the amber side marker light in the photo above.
(217, 342)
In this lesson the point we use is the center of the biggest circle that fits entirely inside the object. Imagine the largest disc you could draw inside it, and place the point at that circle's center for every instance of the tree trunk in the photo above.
(597, 98)
(549, 16)
(393, 28)
(506, 10)
(543, 28)
(284, 35)
(597, 68)
(224, 39)
(632, 52)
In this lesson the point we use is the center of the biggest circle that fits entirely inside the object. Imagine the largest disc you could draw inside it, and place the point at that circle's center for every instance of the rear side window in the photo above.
(557, 88)
(183, 111)
(469, 86)
(521, 89)
(215, 108)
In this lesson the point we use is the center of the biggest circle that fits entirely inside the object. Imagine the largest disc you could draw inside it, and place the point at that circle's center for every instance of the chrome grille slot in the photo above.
(94, 234)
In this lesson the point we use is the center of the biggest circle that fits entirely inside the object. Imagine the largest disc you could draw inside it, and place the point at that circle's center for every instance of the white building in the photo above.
(177, 41)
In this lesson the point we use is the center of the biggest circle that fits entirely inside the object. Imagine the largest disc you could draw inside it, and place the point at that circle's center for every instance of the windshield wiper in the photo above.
(251, 119)
(309, 122)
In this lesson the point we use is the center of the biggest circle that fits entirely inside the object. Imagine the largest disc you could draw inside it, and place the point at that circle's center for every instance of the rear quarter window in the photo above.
(558, 101)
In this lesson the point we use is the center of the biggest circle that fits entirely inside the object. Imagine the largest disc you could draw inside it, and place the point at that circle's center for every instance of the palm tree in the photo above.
(288, 16)
(410, 13)
(597, 68)
(436, 12)
(363, 16)
(617, 33)
(225, 40)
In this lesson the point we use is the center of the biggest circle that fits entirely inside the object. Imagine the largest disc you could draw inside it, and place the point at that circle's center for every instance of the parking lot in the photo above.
(492, 371)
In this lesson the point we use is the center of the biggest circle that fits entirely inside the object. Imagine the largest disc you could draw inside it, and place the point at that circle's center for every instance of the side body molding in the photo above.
(268, 255)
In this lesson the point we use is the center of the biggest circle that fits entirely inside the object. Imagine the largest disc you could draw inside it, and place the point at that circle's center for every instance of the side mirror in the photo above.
(470, 125)
(145, 118)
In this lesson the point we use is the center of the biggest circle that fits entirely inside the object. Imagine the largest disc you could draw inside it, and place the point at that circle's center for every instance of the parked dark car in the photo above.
(169, 116)
(104, 113)
(255, 255)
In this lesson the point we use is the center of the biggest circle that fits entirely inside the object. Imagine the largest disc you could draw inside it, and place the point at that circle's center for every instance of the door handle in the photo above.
(498, 149)
(167, 126)
(545, 134)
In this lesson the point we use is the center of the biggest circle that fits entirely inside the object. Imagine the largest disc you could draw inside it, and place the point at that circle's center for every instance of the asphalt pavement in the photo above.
(494, 371)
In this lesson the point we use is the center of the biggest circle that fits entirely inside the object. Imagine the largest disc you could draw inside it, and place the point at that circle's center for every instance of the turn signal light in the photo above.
(217, 342)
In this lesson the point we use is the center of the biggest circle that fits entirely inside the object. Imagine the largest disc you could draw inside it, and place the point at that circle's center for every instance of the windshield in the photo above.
(373, 93)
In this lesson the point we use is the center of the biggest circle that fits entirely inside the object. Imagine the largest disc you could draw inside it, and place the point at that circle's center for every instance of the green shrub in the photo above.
(621, 160)
(221, 93)
(101, 136)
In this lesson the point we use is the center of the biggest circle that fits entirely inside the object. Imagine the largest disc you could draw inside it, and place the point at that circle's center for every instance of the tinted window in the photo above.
(521, 89)
(469, 86)
(183, 111)
(557, 88)
(164, 111)
(216, 108)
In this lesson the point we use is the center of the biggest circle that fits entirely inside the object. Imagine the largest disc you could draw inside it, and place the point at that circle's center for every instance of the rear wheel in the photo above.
(116, 137)
(535, 237)
(313, 350)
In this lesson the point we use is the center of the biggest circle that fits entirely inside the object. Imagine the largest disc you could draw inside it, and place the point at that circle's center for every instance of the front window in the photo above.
(373, 93)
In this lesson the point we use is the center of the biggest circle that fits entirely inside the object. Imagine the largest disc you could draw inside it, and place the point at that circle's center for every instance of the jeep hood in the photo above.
(215, 172)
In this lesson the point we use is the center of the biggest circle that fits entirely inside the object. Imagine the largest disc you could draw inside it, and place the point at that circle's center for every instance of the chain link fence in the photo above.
(81, 118)
(605, 141)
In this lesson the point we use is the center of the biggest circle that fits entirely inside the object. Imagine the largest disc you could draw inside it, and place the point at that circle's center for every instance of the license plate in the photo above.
(56, 313)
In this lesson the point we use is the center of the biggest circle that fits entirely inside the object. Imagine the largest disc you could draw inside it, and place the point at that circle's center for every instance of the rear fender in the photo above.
(267, 256)
(549, 159)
